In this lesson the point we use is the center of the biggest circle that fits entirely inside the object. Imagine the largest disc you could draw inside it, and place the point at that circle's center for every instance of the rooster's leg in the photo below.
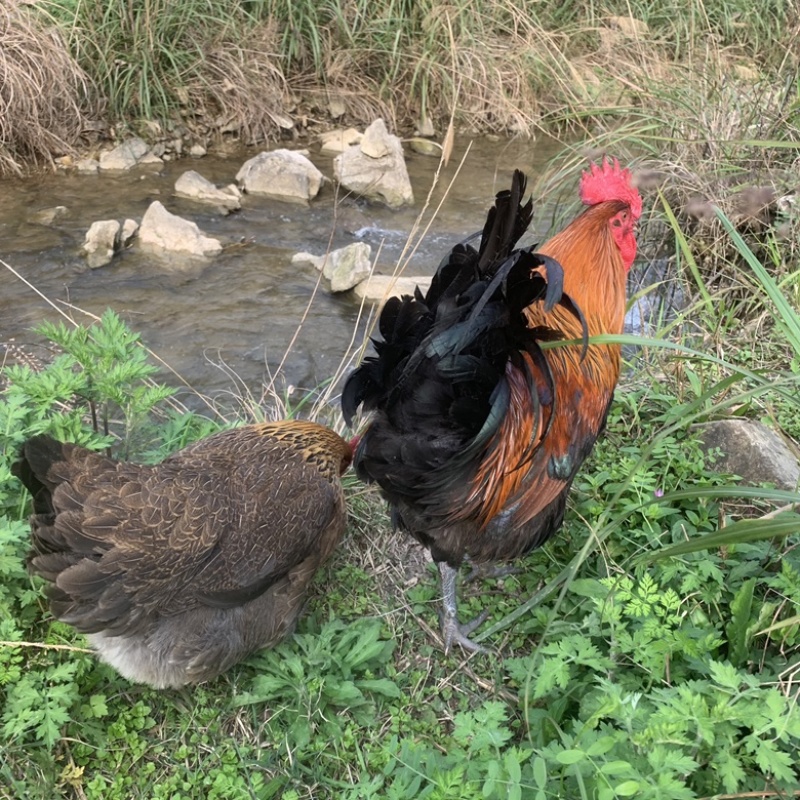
(452, 630)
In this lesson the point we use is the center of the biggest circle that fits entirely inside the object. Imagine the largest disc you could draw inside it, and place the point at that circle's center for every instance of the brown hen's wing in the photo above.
(214, 525)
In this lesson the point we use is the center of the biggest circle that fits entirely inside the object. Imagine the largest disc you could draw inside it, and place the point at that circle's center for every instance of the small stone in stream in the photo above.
(378, 288)
(124, 156)
(87, 165)
(129, 229)
(344, 268)
(193, 186)
(281, 174)
(47, 216)
(100, 242)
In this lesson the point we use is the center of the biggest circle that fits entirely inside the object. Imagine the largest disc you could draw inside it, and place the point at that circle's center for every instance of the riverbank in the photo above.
(271, 70)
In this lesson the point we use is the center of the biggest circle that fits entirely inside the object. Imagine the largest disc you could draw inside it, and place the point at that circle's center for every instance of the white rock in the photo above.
(425, 127)
(425, 147)
(162, 232)
(100, 242)
(281, 174)
(129, 229)
(193, 186)
(47, 216)
(334, 142)
(305, 257)
(377, 141)
(383, 178)
(378, 288)
(336, 107)
(124, 156)
(150, 160)
(197, 151)
(344, 268)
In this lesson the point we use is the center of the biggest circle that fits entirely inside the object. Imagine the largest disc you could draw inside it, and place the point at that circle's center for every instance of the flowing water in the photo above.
(237, 314)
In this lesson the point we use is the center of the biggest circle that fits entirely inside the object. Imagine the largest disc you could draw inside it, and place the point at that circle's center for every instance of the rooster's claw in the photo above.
(455, 633)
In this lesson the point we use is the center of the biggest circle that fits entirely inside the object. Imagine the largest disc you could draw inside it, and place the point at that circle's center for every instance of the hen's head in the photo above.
(608, 182)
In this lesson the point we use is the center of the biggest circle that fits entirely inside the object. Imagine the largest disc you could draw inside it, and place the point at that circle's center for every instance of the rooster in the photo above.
(478, 430)
(178, 571)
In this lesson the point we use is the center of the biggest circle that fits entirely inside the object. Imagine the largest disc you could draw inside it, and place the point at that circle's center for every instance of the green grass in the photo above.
(615, 671)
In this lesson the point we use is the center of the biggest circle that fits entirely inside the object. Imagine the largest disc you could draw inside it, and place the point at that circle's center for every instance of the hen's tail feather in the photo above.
(38, 455)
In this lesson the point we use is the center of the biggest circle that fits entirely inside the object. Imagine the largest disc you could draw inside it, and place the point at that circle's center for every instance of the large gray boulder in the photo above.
(162, 232)
(375, 168)
(193, 186)
(281, 174)
(344, 268)
(751, 450)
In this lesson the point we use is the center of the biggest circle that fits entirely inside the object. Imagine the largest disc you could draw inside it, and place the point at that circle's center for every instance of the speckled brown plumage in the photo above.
(179, 570)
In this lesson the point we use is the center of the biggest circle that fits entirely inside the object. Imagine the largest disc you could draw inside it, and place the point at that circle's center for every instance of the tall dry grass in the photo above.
(205, 63)
(260, 68)
(45, 96)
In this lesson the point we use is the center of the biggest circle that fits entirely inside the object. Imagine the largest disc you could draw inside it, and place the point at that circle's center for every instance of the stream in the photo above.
(226, 324)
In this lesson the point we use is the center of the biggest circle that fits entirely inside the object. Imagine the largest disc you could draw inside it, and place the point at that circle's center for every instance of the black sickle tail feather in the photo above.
(404, 323)
(438, 376)
(506, 222)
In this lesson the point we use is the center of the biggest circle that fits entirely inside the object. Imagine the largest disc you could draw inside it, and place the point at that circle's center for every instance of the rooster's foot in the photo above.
(454, 632)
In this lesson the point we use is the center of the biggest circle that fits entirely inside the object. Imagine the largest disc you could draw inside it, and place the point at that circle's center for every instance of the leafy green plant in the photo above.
(324, 673)
(101, 381)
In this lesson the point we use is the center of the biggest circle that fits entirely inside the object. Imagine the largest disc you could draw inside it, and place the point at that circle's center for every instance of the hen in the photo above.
(478, 431)
(178, 571)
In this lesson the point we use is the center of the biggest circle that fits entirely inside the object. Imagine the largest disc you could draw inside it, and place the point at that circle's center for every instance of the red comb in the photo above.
(609, 181)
